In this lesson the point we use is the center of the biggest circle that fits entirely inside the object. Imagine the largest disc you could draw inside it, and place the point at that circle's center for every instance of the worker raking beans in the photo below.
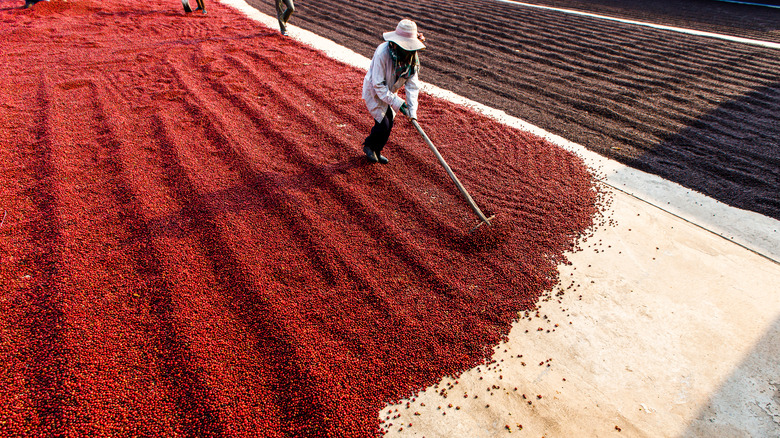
(395, 64)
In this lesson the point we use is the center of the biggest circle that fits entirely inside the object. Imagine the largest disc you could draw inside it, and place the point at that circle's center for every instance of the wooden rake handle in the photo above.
(469, 200)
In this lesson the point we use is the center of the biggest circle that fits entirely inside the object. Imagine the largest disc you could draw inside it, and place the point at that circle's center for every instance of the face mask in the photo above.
(402, 55)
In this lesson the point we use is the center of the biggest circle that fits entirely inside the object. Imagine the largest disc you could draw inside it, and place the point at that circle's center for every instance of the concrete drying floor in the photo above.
(671, 326)
(677, 333)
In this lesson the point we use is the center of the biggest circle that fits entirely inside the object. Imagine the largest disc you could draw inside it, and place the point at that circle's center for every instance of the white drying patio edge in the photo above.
(750, 4)
(769, 44)
(753, 231)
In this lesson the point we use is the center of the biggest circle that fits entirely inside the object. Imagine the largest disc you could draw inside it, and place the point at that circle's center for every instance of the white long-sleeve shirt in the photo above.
(378, 95)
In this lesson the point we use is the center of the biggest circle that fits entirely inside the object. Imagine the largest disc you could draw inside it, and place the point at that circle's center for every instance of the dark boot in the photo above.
(370, 154)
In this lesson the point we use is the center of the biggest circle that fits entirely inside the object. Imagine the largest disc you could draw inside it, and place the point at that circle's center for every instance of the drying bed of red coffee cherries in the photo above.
(193, 243)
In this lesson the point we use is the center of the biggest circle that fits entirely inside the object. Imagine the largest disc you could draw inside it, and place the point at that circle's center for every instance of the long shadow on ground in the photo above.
(757, 413)
(730, 153)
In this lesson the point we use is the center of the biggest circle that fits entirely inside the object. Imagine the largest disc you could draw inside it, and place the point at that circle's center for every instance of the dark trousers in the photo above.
(379, 134)
(284, 14)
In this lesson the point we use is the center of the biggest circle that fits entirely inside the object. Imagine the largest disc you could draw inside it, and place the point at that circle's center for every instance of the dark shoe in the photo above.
(381, 159)
(370, 154)
(186, 5)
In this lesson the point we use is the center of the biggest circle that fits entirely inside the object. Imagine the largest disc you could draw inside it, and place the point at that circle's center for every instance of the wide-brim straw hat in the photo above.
(405, 35)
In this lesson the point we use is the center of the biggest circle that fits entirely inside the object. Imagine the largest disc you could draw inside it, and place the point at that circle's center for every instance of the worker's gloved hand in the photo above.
(404, 109)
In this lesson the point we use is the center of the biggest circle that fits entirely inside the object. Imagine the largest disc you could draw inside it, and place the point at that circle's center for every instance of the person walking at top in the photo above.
(201, 6)
(284, 14)
(395, 64)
